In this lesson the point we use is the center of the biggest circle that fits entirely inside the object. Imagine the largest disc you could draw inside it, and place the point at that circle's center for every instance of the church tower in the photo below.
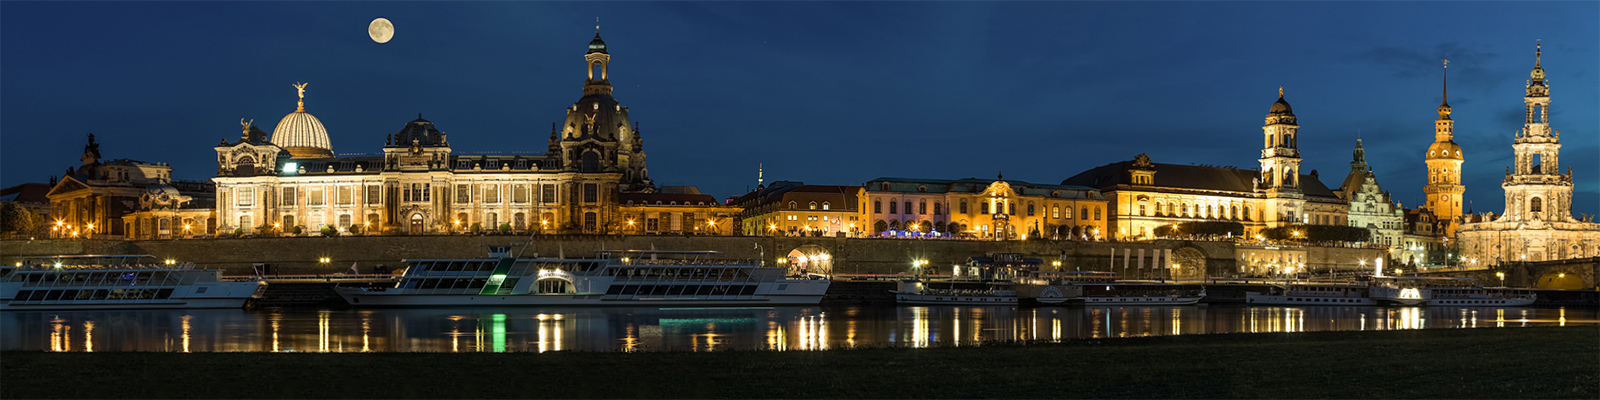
(1280, 165)
(1536, 190)
(1444, 160)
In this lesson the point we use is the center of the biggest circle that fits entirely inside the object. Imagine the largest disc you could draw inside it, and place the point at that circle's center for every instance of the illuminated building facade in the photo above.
(1537, 224)
(980, 208)
(787, 208)
(92, 200)
(1145, 195)
(1370, 206)
(419, 185)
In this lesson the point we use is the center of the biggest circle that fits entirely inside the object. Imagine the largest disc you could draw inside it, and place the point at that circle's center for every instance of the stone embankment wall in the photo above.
(850, 256)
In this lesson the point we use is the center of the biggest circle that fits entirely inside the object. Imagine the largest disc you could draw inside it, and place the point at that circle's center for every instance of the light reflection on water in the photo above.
(702, 329)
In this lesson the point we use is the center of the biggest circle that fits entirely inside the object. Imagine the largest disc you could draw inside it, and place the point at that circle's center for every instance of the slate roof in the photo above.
(1190, 177)
(976, 185)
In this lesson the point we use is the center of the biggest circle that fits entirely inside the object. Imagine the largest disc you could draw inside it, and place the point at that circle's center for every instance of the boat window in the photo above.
(630, 289)
(22, 295)
(659, 290)
(462, 283)
(38, 295)
(85, 294)
(478, 283)
(162, 294)
(703, 290)
(456, 266)
(148, 294)
(675, 290)
(52, 295)
(100, 294)
(748, 290)
(614, 289)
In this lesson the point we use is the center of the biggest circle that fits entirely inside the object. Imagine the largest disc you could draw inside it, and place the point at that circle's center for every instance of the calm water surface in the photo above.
(702, 329)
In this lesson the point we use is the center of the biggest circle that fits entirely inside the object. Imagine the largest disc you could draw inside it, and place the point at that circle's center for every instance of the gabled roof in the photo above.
(32, 192)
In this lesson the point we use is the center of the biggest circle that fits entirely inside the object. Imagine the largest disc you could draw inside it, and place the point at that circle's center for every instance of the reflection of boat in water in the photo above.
(118, 282)
(623, 277)
(918, 292)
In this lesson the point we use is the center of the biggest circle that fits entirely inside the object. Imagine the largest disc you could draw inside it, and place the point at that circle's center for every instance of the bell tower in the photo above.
(1536, 190)
(1444, 189)
(1280, 165)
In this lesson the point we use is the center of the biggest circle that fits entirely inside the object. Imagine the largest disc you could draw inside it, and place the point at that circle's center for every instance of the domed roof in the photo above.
(1449, 150)
(301, 133)
(1281, 107)
(421, 131)
(597, 45)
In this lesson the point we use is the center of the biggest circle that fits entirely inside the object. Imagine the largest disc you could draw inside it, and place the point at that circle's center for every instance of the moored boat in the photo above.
(89, 282)
(620, 277)
(1313, 294)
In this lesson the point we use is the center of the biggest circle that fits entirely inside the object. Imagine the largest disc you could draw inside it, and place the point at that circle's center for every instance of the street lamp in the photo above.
(1502, 277)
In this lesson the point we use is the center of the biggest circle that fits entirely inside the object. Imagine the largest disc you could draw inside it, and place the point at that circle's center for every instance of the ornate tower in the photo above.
(1280, 165)
(1537, 190)
(1444, 160)
(597, 136)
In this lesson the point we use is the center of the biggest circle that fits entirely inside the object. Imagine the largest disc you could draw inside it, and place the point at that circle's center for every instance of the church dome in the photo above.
(301, 133)
(1281, 107)
(1449, 150)
(420, 132)
(597, 45)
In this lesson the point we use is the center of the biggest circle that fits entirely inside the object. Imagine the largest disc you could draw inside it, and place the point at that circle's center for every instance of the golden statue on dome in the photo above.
(301, 105)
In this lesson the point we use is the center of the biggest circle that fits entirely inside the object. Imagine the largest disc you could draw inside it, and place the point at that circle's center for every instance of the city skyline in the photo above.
(714, 103)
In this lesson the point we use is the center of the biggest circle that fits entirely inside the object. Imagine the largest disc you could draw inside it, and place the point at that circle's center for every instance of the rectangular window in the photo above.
(591, 192)
(908, 208)
(374, 194)
(288, 197)
(345, 195)
(893, 207)
(547, 193)
(315, 197)
(519, 193)
(922, 208)
(491, 193)
(877, 207)
(463, 194)
(964, 207)
(247, 197)
(650, 224)
(427, 192)
(1055, 211)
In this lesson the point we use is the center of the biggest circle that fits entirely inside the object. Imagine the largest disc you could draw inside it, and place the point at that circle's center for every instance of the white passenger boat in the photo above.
(1444, 291)
(118, 282)
(1094, 288)
(920, 293)
(1314, 294)
(622, 278)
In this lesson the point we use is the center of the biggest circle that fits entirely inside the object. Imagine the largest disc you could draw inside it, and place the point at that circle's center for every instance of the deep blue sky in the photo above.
(827, 93)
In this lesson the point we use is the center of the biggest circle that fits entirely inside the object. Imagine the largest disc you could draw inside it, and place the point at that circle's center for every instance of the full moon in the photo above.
(381, 30)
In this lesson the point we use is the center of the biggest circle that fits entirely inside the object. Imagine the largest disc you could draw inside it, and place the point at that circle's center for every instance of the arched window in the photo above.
(908, 208)
(591, 162)
(964, 207)
(1055, 211)
(824, 205)
(792, 205)
(893, 207)
(1085, 213)
(1030, 209)
(936, 209)
(491, 221)
(1097, 213)
(1536, 205)
(813, 206)
(877, 207)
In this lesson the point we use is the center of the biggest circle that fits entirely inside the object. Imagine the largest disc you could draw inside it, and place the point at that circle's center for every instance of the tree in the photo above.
(328, 231)
(505, 227)
(1210, 228)
(16, 218)
(1318, 233)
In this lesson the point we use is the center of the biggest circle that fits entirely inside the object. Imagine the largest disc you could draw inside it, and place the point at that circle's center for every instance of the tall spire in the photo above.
(1444, 99)
(1538, 64)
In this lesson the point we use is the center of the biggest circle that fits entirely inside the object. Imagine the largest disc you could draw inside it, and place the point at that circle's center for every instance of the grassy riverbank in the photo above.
(1445, 363)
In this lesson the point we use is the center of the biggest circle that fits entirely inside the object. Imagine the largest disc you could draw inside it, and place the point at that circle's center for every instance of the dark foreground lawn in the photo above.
(1446, 363)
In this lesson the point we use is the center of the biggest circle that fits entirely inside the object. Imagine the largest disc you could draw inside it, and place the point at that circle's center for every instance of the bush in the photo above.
(328, 231)
(1162, 231)
(1210, 228)
(298, 230)
(1319, 233)
(355, 229)
(505, 227)
(475, 228)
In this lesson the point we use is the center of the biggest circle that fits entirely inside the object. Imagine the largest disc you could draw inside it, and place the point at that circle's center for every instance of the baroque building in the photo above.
(979, 208)
(92, 200)
(591, 178)
(1145, 195)
(1370, 206)
(1537, 224)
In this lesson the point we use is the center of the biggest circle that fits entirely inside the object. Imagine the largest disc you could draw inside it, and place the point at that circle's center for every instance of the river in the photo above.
(703, 329)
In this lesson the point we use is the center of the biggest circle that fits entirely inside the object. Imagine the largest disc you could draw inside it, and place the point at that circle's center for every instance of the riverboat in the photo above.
(1444, 291)
(619, 277)
(1314, 294)
(919, 293)
(1094, 288)
(119, 282)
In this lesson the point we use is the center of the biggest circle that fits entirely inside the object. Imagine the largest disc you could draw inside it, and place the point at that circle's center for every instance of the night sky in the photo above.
(825, 93)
